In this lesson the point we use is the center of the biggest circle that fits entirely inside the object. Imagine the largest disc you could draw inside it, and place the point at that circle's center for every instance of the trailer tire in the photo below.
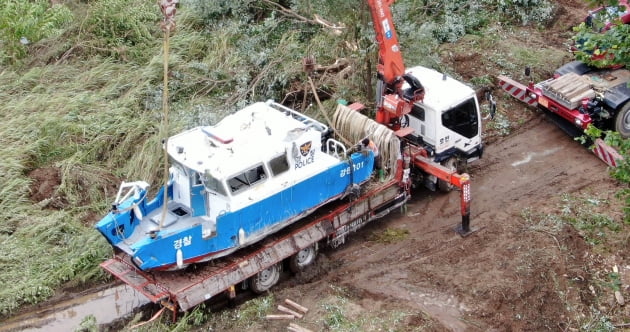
(303, 258)
(265, 279)
(622, 121)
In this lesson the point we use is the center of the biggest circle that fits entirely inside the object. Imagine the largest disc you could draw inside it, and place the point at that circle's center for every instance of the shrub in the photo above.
(525, 11)
(25, 22)
(121, 27)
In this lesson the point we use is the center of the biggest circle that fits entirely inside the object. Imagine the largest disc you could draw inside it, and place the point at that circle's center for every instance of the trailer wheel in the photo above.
(450, 163)
(303, 258)
(265, 279)
(622, 121)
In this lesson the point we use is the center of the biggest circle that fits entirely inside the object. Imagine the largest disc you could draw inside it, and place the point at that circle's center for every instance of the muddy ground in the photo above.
(519, 270)
(513, 274)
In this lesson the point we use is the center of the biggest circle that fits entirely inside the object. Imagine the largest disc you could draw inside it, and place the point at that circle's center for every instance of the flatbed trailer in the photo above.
(566, 99)
(182, 290)
(328, 226)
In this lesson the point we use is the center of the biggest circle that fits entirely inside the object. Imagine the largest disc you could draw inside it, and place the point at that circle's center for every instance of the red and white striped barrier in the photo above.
(517, 90)
(606, 153)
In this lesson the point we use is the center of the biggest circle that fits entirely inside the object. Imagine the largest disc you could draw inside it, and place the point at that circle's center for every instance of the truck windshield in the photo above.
(462, 119)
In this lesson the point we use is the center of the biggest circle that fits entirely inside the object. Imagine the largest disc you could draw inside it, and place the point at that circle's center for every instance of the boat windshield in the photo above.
(246, 179)
(214, 185)
(279, 164)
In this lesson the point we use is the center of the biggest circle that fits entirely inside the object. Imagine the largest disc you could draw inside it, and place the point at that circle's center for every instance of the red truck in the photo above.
(581, 95)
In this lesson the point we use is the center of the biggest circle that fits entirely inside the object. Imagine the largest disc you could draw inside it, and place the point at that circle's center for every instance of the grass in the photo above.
(389, 235)
(86, 101)
(591, 215)
(339, 312)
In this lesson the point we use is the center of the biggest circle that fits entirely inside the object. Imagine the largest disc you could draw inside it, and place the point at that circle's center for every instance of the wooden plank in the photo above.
(297, 328)
(296, 306)
(289, 311)
(279, 317)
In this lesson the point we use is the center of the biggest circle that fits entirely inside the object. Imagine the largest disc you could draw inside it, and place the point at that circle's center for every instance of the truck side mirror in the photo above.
(493, 104)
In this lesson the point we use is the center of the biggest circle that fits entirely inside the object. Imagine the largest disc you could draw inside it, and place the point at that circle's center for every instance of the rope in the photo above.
(168, 8)
(356, 126)
(165, 125)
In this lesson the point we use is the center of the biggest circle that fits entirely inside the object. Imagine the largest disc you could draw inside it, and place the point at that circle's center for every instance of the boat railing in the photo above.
(310, 122)
(137, 188)
(335, 148)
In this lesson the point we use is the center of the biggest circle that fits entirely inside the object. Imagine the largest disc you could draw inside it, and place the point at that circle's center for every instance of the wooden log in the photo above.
(289, 311)
(565, 80)
(618, 296)
(577, 100)
(620, 300)
(296, 306)
(279, 317)
(298, 328)
(575, 90)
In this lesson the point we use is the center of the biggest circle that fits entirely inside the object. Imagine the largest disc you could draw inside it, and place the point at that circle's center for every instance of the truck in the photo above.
(258, 267)
(422, 133)
(429, 109)
(579, 95)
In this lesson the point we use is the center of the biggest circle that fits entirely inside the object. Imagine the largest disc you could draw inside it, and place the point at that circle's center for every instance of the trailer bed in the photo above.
(198, 283)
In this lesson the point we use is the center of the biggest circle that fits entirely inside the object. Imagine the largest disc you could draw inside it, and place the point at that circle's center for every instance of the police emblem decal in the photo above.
(305, 148)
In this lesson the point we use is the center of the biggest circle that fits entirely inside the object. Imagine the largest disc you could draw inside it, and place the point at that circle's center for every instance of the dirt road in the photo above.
(522, 270)
(515, 273)
(519, 271)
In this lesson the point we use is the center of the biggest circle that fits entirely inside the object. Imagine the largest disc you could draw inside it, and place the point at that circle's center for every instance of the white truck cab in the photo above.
(448, 121)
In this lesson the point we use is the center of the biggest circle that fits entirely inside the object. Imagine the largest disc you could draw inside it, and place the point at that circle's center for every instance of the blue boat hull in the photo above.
(234, 229)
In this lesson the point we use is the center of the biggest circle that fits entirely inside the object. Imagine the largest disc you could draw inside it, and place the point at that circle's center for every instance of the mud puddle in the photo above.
(107, 306)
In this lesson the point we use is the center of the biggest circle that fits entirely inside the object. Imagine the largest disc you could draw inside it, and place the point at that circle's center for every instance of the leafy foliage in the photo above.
(622, 171)
(606, 41)
(526, 11)
(26, 22)
(88, 104)
(121, 28)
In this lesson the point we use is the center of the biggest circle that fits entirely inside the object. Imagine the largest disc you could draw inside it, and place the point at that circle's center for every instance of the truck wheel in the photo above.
(303, 258)
(451, 164)
(265, 279)
(622, 121)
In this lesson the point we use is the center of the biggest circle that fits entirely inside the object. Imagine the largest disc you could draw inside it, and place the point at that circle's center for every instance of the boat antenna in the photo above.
(168, 8)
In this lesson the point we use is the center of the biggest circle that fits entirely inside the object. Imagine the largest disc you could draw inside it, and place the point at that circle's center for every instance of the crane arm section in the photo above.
(393, 101)
(390, 63)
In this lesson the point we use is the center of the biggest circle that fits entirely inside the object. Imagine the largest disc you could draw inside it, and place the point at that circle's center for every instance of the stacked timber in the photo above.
(568, 90)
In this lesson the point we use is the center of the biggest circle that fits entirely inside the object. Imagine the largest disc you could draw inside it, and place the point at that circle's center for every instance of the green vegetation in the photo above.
(593, 216)
(581, 213)
(26, 22)
(81, 100)
(389, 235)
(622, 172)
(601, 48)
(341, 313)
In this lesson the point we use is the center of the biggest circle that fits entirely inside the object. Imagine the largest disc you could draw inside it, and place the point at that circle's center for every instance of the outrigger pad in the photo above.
(460, 230)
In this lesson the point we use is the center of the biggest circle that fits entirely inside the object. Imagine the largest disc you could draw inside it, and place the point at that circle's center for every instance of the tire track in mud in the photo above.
(443, 275)
(433, 270)
(107, 305)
